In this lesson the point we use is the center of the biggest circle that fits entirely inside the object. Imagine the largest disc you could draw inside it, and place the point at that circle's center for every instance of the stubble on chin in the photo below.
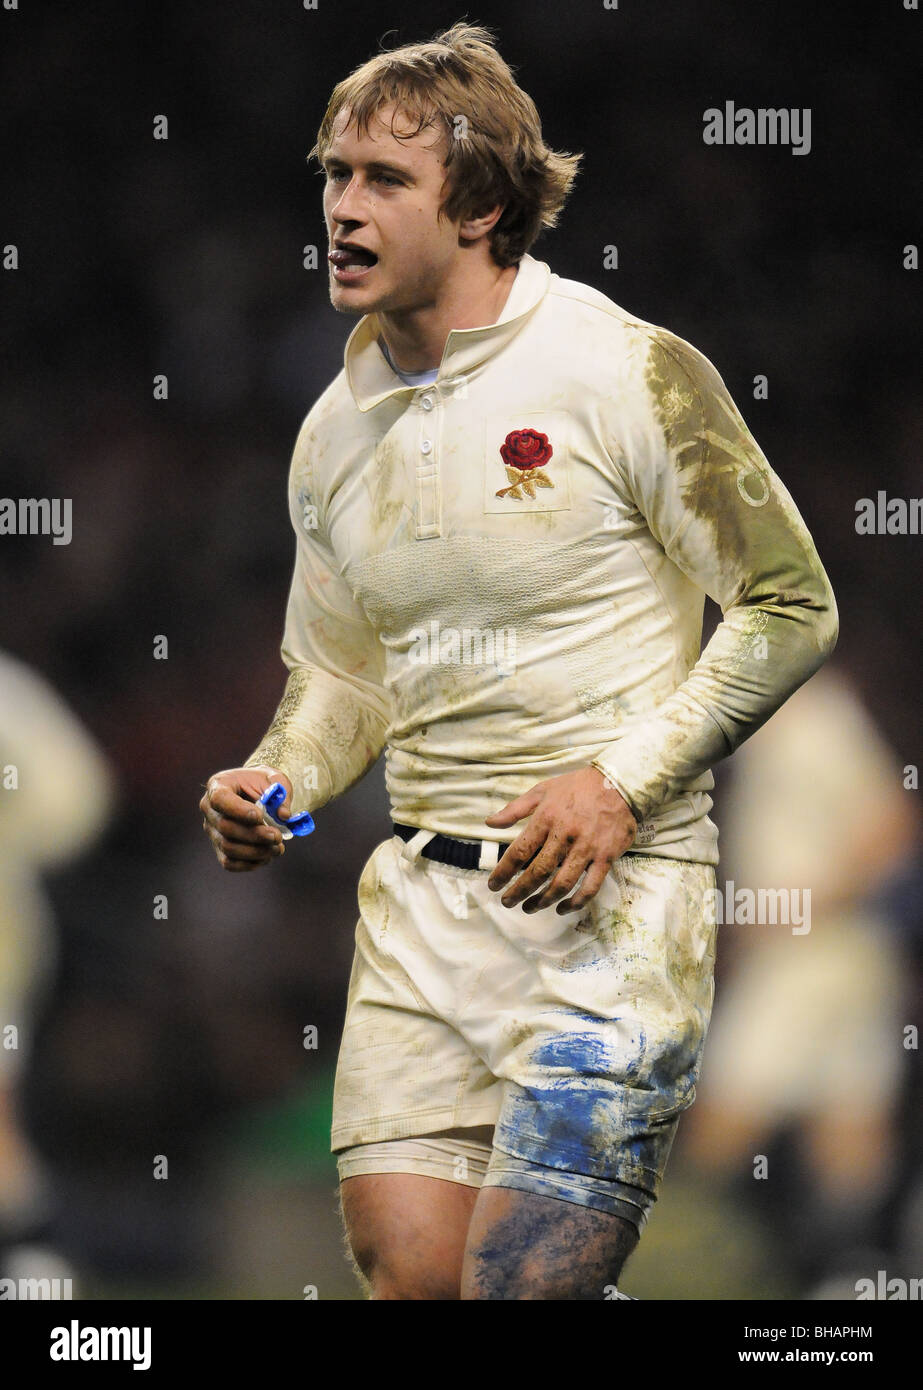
(355, 310)
(342, 306)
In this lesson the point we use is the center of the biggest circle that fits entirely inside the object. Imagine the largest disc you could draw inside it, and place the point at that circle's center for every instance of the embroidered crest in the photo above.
(525, 453)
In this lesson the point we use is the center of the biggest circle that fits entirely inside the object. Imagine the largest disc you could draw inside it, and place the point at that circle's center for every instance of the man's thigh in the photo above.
(418, 1229)
(407, 1233)
(524, 1246)
(406, 1208)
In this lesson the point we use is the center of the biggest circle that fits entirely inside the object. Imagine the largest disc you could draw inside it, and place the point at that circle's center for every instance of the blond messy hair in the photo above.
(459, 85)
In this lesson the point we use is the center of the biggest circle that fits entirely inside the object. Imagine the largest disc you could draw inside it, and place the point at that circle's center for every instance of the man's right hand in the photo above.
(241, 838)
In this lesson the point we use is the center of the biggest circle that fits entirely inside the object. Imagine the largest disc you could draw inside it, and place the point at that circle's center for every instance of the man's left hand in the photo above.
(577, 821)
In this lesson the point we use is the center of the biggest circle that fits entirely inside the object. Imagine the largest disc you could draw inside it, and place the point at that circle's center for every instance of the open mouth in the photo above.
(351, 262)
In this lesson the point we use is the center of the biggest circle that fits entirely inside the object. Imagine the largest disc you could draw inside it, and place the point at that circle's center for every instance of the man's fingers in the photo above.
(234, 849)
(520, 853)
(541, 868)
(258, 834)
(235, 844)
(236, 828)
(562, 883)
(515, 810)
(596, 877)
(241, 838)
(223, 801)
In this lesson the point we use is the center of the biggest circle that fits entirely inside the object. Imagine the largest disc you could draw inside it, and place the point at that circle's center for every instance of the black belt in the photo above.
(445, 849)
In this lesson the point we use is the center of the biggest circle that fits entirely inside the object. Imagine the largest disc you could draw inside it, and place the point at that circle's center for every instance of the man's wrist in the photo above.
(256, 764)
(612, 783)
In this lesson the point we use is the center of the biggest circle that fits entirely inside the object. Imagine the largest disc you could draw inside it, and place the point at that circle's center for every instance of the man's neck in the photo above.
(416, 340)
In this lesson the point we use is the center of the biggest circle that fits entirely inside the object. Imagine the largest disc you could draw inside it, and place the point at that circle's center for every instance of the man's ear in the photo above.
(473, 228)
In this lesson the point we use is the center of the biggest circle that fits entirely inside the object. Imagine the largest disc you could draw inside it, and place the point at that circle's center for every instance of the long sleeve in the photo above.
(711, 500)
(330, 726)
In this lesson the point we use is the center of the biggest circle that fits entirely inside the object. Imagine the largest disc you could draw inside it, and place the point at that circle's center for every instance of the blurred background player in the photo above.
(56, 797)
(806, 1059)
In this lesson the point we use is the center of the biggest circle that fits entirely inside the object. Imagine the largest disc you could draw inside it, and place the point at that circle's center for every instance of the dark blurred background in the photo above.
(181, 1035)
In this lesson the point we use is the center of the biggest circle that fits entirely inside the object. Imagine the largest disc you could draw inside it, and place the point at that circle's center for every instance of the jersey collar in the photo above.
(371, 379)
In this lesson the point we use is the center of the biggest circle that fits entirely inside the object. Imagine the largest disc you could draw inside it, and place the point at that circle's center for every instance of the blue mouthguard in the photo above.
(270, 802)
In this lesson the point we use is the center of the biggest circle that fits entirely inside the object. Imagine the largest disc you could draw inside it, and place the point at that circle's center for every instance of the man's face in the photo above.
(388, 248)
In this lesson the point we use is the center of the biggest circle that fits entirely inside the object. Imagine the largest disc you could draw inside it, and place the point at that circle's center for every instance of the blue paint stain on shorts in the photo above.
(584, 1053)
(588, 1112)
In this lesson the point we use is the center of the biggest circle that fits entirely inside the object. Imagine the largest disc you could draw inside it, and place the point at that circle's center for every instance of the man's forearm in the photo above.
(759, 655)
(324, 737)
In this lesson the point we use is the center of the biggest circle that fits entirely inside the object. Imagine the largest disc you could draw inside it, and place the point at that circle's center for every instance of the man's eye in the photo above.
(338, 175)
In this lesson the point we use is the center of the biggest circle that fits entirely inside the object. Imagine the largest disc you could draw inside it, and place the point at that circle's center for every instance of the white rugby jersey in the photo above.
(500, 576)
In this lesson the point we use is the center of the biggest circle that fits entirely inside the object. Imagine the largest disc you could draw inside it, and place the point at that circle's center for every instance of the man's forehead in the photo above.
(413, 142)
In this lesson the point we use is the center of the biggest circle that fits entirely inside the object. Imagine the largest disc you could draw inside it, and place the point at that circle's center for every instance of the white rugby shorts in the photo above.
(577, 1037)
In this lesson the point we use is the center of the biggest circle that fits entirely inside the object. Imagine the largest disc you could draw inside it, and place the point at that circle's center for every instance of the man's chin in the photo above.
(348, 299)
(357, 310)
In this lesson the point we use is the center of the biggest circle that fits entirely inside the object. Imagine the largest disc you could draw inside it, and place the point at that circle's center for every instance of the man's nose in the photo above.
(349, 207)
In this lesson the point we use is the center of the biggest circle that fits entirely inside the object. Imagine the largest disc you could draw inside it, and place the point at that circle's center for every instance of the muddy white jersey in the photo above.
(500, 576)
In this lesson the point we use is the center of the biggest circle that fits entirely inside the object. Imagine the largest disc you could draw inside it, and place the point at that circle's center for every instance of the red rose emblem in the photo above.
(525, 453)
(526, 449)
